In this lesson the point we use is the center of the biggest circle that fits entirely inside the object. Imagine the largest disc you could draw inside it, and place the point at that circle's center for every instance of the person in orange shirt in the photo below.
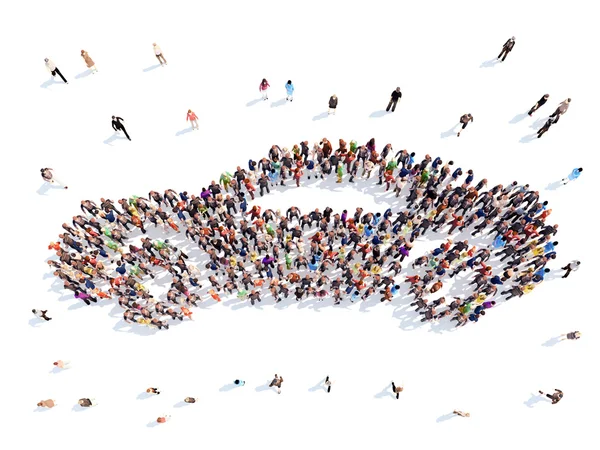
(214, 295)
(186, 312)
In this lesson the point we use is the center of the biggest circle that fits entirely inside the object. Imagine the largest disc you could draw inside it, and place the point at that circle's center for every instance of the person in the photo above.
(289, 88)
(41, 314)
(89, 62)
(573, 266)
(49, 177)
(263, 88)
(541, 102)
(190, 400)
(54, 70)
(551, 121)
(239, 382)
(555, 397)
(193, 118)
(562, 108)
(395, 96)
(572, 336)
(277, 383)
(328, 384)
(465, 119)
(163, 418)
(62, 364)
(87, 402)
(152, 390)
(47, 403)
(159, 55)
(461, 414)
(333, 102)
(506, 48)
(396, 390)
(117, 125)
(572, 176)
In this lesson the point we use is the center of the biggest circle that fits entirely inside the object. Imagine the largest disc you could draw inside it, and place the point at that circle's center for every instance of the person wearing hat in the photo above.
(396, 95)
(506, 48)
(53, 69)
(117, 125)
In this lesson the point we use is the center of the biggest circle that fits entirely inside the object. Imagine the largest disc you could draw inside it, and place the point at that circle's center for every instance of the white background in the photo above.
(217, 53)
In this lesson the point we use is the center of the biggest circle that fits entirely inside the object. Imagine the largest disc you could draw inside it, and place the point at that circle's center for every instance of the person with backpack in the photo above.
(395, 96)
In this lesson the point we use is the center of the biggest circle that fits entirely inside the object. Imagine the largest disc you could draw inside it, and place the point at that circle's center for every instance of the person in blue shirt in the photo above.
(289, 88)
(572, 176)
(239, 382)
(549, 247)
(469, 178)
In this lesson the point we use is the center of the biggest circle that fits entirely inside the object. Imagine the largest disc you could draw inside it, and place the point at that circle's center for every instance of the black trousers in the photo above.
(394, 389)
(392, 104)
(56, 71)
(504, 52)
(122, 128)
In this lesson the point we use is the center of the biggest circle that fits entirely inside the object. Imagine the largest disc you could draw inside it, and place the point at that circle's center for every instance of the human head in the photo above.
(45, 59)
(569, 100)
(580, 169)
(289, 82)
(264, 80)
(113, 117)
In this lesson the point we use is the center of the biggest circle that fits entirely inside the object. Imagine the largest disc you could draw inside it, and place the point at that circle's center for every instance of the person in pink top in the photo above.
(193, 118)
(262, 88)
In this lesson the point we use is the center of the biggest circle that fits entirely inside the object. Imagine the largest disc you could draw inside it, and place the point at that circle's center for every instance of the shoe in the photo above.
(66, 187)
(458, 135)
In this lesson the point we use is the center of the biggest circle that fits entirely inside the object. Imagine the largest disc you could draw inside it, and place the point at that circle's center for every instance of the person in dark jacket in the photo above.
(117, 125)
(396, 95)
(551, 121)
(465, 119)
(506, 48)
(539, 104)
(333, 101)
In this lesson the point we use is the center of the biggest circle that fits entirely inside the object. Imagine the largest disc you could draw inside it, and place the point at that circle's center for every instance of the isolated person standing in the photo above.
(396, 390)
(41, 314)
(159, 55)
(328, 383)
(193, 118)
(507, 48)
(117, 125)
(539, 104)
(53, 69)
(263, 88)
(277, 383)
(465, 119)
(573, 266)
(49, 177)
(333, 102)
(572, 336)
(562, 108)
(395, 96)
(289, 88)
(89, 62)
(572, 176)
(555, 397)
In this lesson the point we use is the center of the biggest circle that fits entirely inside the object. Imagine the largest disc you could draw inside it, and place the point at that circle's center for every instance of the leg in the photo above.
(125, 131)
(61, 75)
(394, 106)
(389, 105)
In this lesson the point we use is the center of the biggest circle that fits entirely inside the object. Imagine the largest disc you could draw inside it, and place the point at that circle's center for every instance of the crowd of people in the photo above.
(250, 253)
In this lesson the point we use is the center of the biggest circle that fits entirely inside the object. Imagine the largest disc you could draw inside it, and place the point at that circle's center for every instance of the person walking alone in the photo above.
(41, 314)
(396, 390)
(539, 104)
(277, 383)
(49, 177)
(461, 414)
(333, 102)
(465, 119)
(159, 55)
(89, 62)
(555, 397)
(117, 125)
(263, 88)
(395, 96)
(507, 48)
(328, 384)
(573, 266)
(572, 336)
(289, 88)
(54, 70)
(572, 176)
(193, 118)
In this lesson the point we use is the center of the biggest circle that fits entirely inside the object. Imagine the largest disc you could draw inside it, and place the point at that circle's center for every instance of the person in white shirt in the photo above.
(53, 69)
(573, 266)
(159, 55)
